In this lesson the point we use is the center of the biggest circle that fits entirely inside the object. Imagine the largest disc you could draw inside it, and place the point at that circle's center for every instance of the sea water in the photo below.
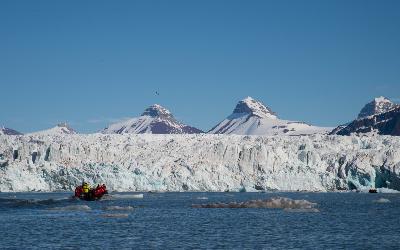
(168, 221)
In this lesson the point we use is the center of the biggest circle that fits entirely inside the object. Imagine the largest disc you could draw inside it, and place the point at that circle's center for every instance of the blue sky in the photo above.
(94, 62)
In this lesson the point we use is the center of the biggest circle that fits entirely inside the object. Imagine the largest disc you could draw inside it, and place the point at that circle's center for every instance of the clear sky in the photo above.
(94, 62)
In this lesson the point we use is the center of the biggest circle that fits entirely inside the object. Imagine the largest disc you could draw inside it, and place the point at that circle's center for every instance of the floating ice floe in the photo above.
(387, 191)
(382, 200)
(379, 190)
(119, 208)
(71, 208)
(277, 202)
(202, 198)
(115, 215)
(127, 196)
(301, 210)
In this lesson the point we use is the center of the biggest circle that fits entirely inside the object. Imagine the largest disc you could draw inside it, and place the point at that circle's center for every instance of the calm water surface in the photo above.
(167, 221)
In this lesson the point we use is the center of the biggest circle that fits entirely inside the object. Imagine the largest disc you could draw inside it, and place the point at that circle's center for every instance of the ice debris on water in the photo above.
(387, 191)
(382, 200)
(118, 208)
(276, 202)
(301, 210)
(115, 215)
(127, 196)
(71, 208)
(202, 198)
(380, 190)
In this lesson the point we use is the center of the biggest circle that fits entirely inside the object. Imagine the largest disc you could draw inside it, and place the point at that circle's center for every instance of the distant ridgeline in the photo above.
(8, 131)
(249, 117)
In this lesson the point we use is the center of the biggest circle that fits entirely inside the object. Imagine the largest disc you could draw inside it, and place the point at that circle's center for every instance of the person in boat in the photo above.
(100, 190)
(86, 193)
(78, 191)
(85, 188)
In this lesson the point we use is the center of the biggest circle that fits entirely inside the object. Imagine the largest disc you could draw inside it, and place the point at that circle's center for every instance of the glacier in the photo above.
(199, 162)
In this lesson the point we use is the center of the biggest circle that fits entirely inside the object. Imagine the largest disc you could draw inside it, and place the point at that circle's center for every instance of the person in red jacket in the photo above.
(100, 190)
(78, 191)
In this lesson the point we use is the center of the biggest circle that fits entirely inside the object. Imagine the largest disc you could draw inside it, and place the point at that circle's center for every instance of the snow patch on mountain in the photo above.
(252, 117)
(199, 162)
(154, 120)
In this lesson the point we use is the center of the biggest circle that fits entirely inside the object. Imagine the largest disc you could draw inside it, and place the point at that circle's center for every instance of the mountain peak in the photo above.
(60, 129)
(63, 124)
(381, 99)
(377, 106)
(65, 128)
(157, 110)
(154, 120)
(251, 106)
(252, 117)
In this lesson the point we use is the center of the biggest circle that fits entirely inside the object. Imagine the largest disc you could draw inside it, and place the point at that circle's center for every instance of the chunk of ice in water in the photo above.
(301, 210)
(276, 202)
(382, 200)
(115, 215)
(202, 198)
(118, 208)
(127, 196)
(387, 191)
(71, 208)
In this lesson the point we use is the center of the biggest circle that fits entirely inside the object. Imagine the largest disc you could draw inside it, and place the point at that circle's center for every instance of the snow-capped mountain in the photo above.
(60, 129)
(377, 106)
(387, 123)
(154, 120)
(380, 116)
(8, 131)
(252, 117)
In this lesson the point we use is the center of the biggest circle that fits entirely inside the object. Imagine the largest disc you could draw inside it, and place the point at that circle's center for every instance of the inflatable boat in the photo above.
(92, 194)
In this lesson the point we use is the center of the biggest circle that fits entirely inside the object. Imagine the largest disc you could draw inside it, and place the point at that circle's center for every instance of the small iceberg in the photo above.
(301, 210)
(202, 198)
(71, 208)
(387, 191)
(127, 196)
(378, 190)
(382, 200)
(118, 208)
(115, 215)
(277, 202)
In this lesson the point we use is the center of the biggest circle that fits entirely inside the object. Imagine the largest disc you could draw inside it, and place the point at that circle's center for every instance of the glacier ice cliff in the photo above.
(201, 162)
